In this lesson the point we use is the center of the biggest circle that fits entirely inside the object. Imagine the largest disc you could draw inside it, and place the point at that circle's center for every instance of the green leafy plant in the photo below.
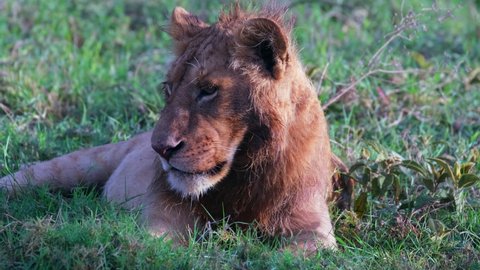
(446, 178)
(442, 179)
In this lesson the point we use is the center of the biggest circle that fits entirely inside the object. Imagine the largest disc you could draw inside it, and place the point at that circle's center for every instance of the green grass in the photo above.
(81, 73)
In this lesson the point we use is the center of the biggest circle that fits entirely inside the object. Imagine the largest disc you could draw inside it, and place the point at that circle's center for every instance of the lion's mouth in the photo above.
(213, 171)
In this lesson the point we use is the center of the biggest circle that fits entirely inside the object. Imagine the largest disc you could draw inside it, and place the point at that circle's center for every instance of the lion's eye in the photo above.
(167, 88)
(207, 93)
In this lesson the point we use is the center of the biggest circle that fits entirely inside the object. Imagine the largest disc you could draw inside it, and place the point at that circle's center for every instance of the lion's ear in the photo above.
(184, 26)
(267, 41)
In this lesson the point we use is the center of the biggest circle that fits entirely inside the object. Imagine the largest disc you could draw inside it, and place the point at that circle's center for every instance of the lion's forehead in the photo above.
(207, 55)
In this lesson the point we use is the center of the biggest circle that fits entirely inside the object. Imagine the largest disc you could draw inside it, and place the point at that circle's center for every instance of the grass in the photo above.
(75, 74)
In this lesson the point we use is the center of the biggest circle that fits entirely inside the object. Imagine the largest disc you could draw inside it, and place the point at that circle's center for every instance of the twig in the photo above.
(7, 111)
(409, 21)
(377, 54)
(328, 2)
(324, 72)
(399, 119)
(369, 73)
(345, 90)
(396, 71)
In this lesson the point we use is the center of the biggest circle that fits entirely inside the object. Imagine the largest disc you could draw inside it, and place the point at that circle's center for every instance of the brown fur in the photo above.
(242, 136)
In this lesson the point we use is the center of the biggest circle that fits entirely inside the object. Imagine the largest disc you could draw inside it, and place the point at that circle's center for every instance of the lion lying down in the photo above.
(242, 135)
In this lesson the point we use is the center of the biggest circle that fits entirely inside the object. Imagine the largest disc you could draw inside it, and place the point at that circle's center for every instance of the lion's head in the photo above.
(233, 89)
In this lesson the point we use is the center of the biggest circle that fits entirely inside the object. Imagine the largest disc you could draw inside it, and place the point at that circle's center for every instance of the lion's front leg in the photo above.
(130, 181)
(86, 167)
(308, 243)
(166, 214)
(313, 229)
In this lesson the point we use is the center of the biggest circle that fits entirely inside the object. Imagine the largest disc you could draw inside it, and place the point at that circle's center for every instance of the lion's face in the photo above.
(208, 106)
(202, 123)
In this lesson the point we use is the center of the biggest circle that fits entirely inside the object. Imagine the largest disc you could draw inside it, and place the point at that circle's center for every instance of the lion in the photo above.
(242, 135)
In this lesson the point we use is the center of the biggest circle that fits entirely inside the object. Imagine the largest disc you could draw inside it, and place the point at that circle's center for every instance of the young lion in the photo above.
(242, 136)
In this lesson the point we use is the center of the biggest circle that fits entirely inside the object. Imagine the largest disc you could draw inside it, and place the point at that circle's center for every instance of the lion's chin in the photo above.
(194, 185)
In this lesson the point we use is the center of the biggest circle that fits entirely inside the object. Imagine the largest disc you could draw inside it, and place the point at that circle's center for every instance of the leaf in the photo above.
(415, 166)
(445, 195)
(472, 78)
(442, 163)
(365, 154)
(456, 170)
(432, 169)
(389, 179)
(475, 155)
(467, 167)
(436, 225)
(407, 205)
(360, 207)
(442, 178)
(367, 175)
(376, 146)
(348, 175)
(468, 180)
(420, 59)
(376, 190)
(311, 71)
(422, 200)
(428, 182)
(356, 166)
(439, 228)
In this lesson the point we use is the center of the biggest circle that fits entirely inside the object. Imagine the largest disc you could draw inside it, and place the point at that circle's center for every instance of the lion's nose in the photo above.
(166, 150)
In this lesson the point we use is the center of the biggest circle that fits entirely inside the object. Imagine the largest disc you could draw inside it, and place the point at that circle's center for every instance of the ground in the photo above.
(75, 74)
